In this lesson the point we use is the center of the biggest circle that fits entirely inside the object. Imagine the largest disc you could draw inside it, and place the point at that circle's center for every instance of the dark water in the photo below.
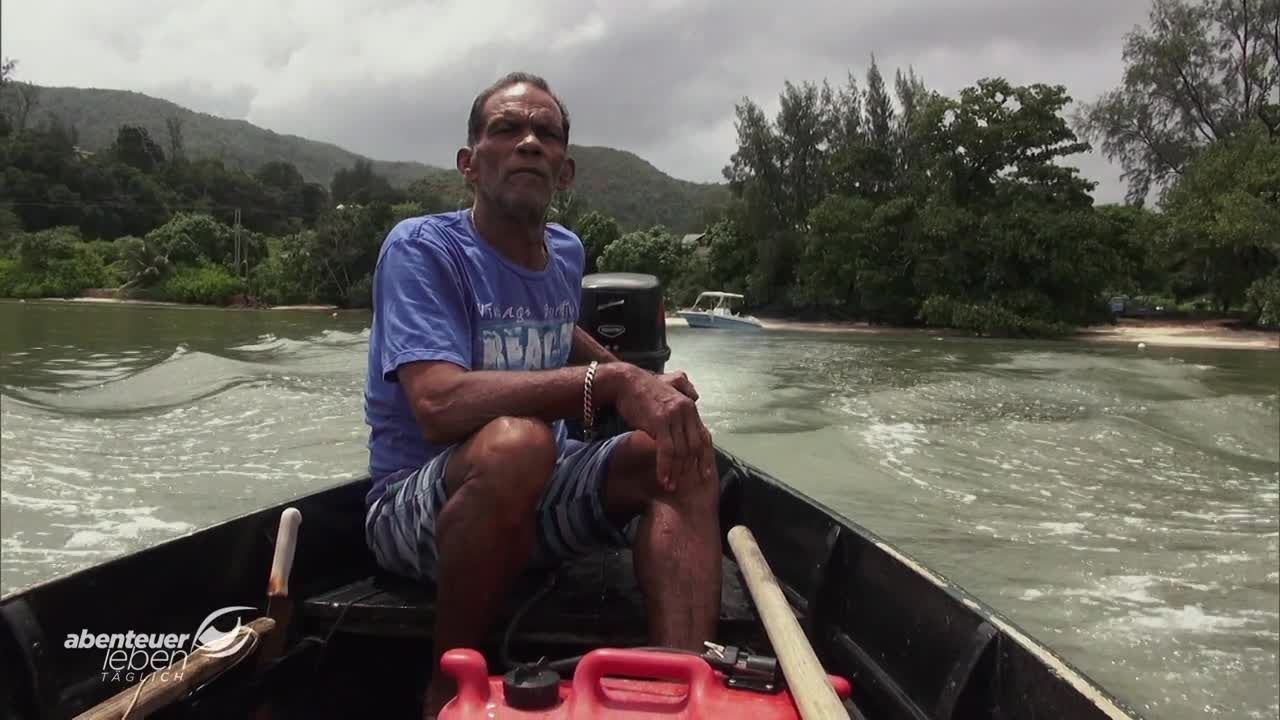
(1122, 506)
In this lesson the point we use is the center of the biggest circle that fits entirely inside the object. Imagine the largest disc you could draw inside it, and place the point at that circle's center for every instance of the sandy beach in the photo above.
(1154, 333)
(1188, 333)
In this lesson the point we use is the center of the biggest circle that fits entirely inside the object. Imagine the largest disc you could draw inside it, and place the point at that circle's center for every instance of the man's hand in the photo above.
(661, 407)
(680, 381)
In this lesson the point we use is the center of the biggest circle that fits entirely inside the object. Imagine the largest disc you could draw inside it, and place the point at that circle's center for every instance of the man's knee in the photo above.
(515, 445)
(506, 465)
(635, 468)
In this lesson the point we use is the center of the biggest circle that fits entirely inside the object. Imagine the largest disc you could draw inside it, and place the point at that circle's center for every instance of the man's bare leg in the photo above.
(677, 548)
(485, 533)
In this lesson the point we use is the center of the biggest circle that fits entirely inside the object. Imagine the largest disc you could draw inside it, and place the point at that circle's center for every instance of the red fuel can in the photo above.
(613, 683)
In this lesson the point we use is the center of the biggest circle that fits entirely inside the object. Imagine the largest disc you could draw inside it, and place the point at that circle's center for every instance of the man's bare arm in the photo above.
(451, 403)
(585, 349)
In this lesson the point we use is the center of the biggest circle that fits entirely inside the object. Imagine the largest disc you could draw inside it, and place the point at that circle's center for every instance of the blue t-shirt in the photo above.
(440, 292)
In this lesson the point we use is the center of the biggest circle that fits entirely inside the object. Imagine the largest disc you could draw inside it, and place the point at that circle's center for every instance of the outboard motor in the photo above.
(624, 312)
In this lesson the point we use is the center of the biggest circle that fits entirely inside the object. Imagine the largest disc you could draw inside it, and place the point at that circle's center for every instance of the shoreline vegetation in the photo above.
(1199, 333)
(876, 199)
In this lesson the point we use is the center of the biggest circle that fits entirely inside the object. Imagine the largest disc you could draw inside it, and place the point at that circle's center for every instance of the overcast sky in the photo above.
(393, 79)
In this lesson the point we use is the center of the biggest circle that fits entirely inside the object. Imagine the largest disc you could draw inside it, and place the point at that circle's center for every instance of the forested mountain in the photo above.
(616, 182)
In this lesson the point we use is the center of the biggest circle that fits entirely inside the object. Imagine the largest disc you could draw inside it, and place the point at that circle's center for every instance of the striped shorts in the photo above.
(400, 525)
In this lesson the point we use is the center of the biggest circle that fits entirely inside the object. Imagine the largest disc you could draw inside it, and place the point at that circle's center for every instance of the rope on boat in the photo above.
(564, 666)
(342, 614)
(538, 595)
(136, 694)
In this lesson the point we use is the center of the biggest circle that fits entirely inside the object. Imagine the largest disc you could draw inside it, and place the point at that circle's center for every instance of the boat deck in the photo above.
(595, 601)
(373, 660)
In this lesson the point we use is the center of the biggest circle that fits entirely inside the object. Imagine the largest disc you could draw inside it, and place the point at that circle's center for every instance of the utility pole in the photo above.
(239, 252)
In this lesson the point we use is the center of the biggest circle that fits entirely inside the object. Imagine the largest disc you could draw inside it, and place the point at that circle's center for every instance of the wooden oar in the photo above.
(163, 687)
(279, 606)
(808, 681)
(166, 686)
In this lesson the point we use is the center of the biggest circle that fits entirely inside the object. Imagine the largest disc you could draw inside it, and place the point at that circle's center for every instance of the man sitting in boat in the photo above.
(475, 361)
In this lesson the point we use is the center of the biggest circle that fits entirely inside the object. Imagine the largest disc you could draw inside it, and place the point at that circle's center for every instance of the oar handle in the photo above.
(809, 683)
(282, 562)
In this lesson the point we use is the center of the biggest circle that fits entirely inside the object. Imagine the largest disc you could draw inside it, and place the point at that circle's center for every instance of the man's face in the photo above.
(519, 158)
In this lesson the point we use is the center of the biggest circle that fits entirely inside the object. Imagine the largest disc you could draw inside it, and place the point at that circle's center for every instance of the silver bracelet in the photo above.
(588, 407)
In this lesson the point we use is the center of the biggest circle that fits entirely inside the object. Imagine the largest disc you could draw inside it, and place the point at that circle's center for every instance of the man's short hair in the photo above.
(475, 122)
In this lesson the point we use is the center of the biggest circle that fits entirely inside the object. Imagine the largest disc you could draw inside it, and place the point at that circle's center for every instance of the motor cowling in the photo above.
(624, 312)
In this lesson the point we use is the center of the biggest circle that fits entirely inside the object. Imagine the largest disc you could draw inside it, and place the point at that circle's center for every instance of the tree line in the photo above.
(907, 206)
(143, 218)
(887, 202)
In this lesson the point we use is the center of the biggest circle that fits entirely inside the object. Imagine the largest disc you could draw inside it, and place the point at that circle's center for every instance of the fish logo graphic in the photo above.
(217, 643)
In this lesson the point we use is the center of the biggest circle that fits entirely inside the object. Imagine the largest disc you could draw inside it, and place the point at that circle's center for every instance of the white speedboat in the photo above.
(718, 313)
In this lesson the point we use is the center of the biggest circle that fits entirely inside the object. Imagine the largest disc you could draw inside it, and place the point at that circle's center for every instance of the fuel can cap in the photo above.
(531, 688)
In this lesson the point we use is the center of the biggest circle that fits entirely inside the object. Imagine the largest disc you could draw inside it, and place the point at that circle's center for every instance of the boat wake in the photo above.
(270, 345)
(1123, 508)
(142, 447)
(128, 385)
(181, 380)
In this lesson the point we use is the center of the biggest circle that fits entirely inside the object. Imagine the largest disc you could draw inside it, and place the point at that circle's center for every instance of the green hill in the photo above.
(613, 181)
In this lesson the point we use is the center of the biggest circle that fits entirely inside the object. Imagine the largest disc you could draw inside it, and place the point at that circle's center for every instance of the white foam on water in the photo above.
(46, 505)
(1032, 594)
(1129, 588)
(1188, 618)
(1227, 558)
(1210, 517)
(88, 539)
(16, 551)
(894, 437)
(1085, 548)
(266, 341)
(58, 469)
(111, 532)
(1202, 587)
(1063, 528)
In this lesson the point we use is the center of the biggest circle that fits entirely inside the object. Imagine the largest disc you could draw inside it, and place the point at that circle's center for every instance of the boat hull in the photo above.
(719, 322)
(914, 644)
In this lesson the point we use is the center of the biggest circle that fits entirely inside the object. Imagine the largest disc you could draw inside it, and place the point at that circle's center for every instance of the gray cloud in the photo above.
(393, 79)
(232, 102)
